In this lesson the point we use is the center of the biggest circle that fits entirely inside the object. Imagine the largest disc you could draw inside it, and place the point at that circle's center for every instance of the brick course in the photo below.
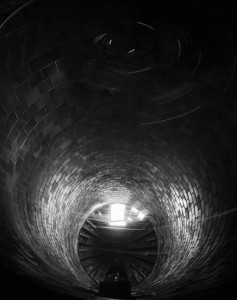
(67, 146)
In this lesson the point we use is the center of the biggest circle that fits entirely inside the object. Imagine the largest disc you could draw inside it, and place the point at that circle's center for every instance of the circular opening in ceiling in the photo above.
(117, 243)
(121, 44)
(134, 40)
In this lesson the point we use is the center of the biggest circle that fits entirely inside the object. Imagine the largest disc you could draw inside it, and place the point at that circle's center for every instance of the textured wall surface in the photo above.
(82, 123)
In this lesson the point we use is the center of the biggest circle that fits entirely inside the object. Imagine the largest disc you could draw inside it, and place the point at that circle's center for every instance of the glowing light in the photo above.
(117, 212)
(141, 215)
(134, 210)
(117, 223)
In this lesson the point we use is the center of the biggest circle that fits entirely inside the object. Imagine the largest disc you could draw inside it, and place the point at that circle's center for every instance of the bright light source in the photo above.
(117, 212)
(141, 215)
(134, 210)
(117, 223)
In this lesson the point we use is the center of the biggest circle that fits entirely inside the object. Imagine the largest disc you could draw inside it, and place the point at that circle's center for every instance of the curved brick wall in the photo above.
(72, 138)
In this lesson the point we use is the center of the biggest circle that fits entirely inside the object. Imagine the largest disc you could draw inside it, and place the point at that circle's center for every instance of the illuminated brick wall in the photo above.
(65, 149)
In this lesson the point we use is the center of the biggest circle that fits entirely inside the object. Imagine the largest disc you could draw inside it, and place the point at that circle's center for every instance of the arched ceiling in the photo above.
(127, 100)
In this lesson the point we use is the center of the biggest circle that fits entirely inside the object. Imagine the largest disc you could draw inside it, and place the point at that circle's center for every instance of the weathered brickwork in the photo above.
(67, 148)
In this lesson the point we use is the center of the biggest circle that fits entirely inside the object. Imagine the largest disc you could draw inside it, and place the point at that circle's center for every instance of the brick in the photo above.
(3, 165)
(24, 149)
(35, 79)
(40, 114)
(15, 152)
(30, 125)
(40, 127)
(30, 111)
(12, 100)
(45, 86)
(11, 121)
(22, 138)
(13, 136)
(20, 108)
(42, 61)
(38, 90)
(3, 114)
(56, 129)
(22, 91)
(11, 167)
(57, 95)
(49, 70)
(21, 124)
(60, 65)
(43, 101)
(186, 236)
(58, 79)
(33, 96)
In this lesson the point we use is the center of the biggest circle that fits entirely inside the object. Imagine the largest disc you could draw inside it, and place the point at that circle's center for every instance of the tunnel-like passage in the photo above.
(118, 250)
(89, 119)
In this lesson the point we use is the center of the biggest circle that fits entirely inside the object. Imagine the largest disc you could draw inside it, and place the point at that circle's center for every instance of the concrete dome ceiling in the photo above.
(108, 100)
